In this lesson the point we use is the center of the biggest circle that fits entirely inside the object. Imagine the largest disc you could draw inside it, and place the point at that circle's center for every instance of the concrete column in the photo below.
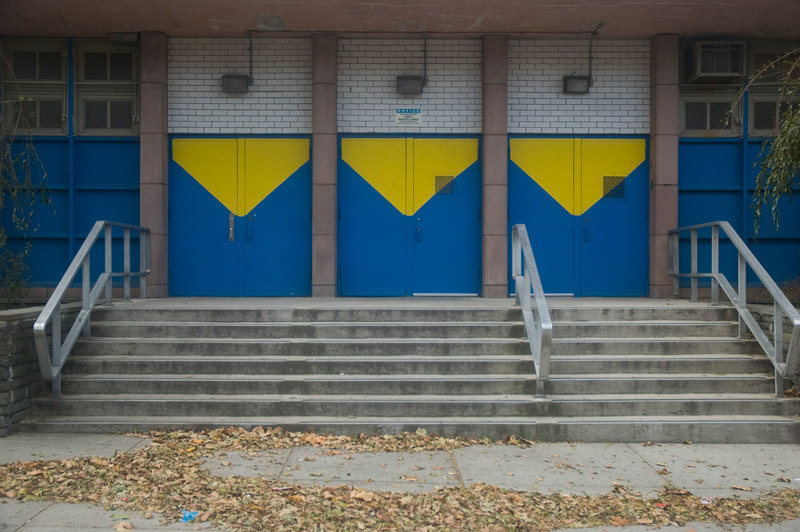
(664, 93)
(495, 166)
(153, 155)
(324, 161)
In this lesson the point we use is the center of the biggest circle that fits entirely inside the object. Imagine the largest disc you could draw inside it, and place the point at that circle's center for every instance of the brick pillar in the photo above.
(324, 160)
(153, 155)
(495, 166)
(664, 93)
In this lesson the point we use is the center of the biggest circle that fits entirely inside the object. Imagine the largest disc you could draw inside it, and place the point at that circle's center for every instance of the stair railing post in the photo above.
(516, 262)
(694, 265)
(55, 338)
(674, 254)
(777, 328)
(86, 289)
(109, 263)
(714, 264)
(741, 299)
(144, 248)
(126, 232)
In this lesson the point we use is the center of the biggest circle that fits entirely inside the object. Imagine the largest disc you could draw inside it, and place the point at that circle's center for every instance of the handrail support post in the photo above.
(714, 264)
(86, 288)
(109, 264)
(741, 300)
(126, 263)
(694, 266)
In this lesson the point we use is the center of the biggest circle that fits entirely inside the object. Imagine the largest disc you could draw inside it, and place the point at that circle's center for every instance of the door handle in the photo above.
(231, 233)
(419, 231)
(250, 227)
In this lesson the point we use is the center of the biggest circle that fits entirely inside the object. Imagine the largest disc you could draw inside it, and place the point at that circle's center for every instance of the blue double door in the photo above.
(240, 217)
(409, 216)
(584, 202)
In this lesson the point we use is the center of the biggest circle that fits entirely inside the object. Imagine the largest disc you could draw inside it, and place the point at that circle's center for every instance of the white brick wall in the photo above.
(618, 102)
(367, 96)
(279, 101)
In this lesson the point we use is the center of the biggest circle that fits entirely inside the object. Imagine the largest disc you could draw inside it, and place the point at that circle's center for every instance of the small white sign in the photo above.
(408, 116)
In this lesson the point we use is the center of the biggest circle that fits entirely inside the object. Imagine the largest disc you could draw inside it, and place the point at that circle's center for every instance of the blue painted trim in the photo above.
(237, 136)
(71, 142)
(745, 168)
(575, 136)
(409, 136)
(713, 140)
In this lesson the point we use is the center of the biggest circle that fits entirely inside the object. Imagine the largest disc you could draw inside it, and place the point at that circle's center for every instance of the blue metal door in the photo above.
(409, 216)
(240, 217)
(584, 202)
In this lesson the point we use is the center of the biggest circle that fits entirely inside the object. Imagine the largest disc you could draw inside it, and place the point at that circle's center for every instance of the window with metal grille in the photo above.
(107, 90)
(614, 186)
(34, 86)
(710, 114)
(443, 185)
(766, 112)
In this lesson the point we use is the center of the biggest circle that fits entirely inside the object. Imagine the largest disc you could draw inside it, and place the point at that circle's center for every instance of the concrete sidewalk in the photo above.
(591, 469)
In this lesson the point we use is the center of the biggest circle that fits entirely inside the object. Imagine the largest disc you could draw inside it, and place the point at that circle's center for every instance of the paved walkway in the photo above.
(705, 470)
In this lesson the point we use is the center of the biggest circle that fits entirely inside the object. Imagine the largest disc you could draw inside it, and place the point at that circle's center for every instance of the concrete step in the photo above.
(645, 329)
(296, 330)
(351, 406)
(407, 346)
(632, 383)
(299, 365)
(652, 346)
(403, 364)
(673, 364)
(311, 314)
(657, 429)
(677, 311)
(300, 384)
(308, 346)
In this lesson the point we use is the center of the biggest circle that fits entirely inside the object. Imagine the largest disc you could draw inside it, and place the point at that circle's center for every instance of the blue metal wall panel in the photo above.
(712, 181)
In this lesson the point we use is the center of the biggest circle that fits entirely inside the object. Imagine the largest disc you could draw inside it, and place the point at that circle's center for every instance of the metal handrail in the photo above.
(784, 368)
(51, 361)
(538, 326)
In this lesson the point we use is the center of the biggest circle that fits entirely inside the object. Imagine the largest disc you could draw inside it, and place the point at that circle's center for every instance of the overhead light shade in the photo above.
(235, 83)
(576, 84)
(410, 84)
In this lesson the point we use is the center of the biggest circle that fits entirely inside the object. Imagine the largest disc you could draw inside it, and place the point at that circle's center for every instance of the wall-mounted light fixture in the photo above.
(576, 84)
(413, 85)
(239, 83)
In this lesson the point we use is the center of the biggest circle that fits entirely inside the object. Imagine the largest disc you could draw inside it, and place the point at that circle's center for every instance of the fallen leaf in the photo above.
(741, 488)
(122, 526)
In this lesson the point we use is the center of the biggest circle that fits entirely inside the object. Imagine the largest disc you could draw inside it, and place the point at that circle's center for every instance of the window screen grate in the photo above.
(764, 116)
(695, 116)
(108, 90)
(614, 186)
(34, 86)
(719, 115)
(443, 185)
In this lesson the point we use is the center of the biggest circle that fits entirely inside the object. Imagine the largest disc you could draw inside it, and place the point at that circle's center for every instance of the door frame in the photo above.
(409, 279)
(239, 228)
(578, 223)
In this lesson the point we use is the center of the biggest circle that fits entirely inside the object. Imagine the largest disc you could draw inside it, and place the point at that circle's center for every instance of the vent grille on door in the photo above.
(614, 186)
(444, 185)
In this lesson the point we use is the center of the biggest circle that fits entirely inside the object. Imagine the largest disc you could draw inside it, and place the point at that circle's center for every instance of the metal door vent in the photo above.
(444, 185)
(614, 186)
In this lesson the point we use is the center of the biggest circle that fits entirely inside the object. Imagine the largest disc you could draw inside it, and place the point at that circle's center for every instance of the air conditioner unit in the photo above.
(715, 62)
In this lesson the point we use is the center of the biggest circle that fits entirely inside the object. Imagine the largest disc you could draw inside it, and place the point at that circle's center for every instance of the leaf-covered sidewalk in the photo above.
(166, 477)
